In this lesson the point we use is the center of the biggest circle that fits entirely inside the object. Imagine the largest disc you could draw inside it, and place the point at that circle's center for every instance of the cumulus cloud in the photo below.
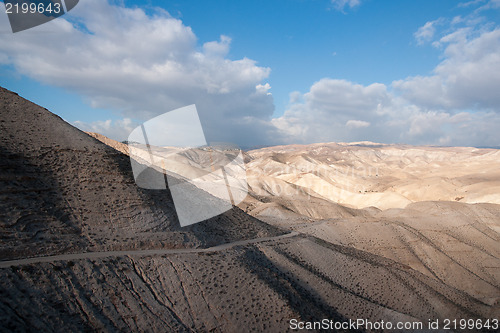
(217, 48)
(381, 116)
(468, 77)
(458, 104)
(263, 88)
(144, 65)
(118, 129)
(323, 113)
(462, 129)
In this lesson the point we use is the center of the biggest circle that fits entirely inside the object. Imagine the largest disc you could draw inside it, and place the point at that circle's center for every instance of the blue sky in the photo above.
(419, 72)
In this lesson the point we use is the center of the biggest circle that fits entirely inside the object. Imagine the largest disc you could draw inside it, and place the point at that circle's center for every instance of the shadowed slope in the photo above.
(62, 190)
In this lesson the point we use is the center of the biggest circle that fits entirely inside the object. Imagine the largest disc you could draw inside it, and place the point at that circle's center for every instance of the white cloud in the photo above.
(217, 49)
(381, 116)
(342, 97)
(144, 65)
(341, 4)
(263, 88)
(458, 104)
(457, 20)
(426, 32)
(323, 113)
(470, 3)
(118, 129)
(468, 77)
(462, 129)
(356, 123)
(491, 4)
(295, 96)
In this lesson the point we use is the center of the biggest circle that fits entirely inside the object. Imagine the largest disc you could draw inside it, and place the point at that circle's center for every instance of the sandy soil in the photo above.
(432, 209)
(382, 176)
(64, 194)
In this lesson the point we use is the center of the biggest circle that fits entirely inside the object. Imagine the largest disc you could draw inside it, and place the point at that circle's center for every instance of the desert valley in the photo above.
(343, 231)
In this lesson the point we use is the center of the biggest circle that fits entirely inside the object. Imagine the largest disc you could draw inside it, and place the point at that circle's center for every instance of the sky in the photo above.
(270, 72)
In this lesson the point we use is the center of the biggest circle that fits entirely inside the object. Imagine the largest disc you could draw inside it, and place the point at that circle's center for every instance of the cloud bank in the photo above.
(143, 65)
(457, 104)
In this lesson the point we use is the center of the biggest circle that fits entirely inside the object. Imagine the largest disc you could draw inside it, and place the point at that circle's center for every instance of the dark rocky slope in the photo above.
(64, 191)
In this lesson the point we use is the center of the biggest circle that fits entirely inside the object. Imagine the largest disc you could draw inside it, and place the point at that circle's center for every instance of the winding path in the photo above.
(104, 254)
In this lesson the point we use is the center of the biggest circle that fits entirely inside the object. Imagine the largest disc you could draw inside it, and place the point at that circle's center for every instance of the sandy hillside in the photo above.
(429, 208)
(63, 190)
(322, 191)
(361, 175)
(84, 249)
(121, 147)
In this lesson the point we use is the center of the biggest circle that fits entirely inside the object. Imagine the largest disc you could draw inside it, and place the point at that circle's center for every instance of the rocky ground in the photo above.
(65, 193)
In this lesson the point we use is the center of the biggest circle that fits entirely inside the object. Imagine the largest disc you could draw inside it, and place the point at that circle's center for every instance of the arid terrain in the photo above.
(366, 174)
(338, 231)
(434, 209)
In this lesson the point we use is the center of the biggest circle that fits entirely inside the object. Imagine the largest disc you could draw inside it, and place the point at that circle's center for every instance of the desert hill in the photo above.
(361, 175)
(434, 209)
(63, 190)
(84, 249)
(445, 239)
(121, 147)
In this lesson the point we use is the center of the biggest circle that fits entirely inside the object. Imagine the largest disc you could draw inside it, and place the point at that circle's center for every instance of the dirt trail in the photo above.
(104, 254)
